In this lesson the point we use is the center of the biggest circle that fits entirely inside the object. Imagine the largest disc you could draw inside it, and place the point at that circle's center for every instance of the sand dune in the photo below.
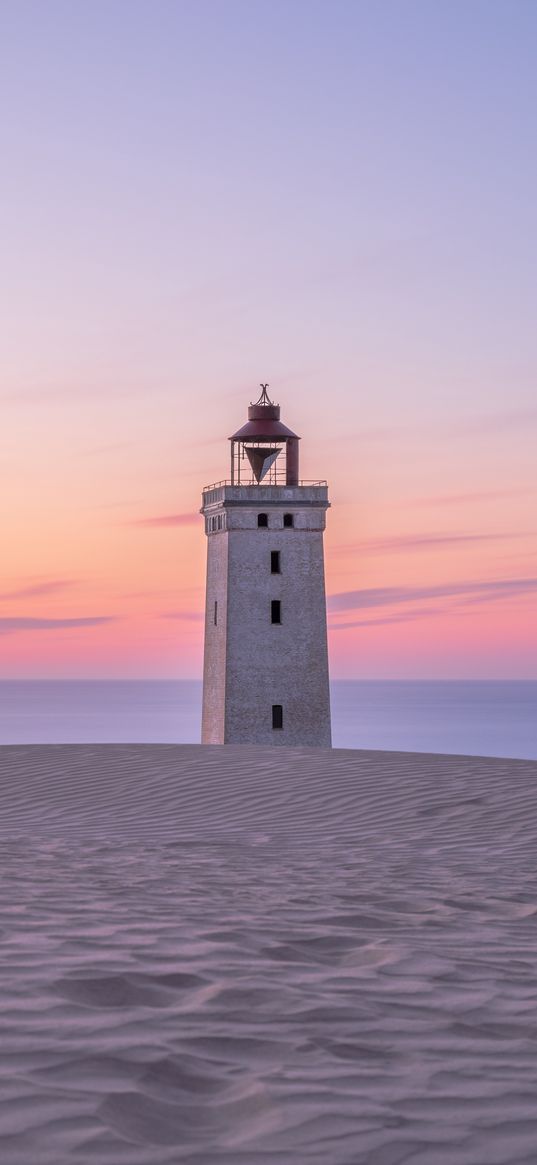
(239, 955)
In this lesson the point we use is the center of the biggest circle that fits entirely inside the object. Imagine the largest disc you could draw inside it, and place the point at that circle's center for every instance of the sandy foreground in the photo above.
(248, 955)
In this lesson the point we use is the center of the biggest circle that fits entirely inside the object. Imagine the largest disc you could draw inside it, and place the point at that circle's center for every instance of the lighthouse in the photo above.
(265, 675)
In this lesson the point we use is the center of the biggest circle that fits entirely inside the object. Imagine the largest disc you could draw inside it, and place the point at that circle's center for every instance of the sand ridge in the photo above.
(222, 955)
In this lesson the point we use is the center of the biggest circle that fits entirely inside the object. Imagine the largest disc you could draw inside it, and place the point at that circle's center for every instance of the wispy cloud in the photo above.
(189, 519)
(494, 422)
(362, 437)
(75, 391)
(54, 586)
(402, 617)
(10, 626)
(393, 596)
(111, 447)
(403, 543)
(464, 499)
(191, 616)
(39, 395)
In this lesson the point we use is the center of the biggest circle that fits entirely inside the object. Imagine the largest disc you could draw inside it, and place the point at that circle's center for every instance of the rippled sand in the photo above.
(239, 955)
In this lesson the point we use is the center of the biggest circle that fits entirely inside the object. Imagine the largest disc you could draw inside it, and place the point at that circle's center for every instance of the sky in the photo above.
(336, 198)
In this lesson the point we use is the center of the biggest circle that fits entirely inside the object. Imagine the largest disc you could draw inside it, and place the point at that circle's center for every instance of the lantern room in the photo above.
(264, 450)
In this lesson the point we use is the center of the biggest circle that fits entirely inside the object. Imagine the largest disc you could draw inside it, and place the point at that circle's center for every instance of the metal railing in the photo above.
(261, 485)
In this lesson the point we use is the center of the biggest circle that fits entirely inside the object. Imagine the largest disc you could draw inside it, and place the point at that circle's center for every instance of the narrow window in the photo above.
(262, 519)
(288, 519)
(275, 611)
(275, 562)
(277, 716)
(215, 612)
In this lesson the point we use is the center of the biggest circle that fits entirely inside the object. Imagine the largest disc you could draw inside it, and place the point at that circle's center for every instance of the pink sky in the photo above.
(430, 549)
(344, 208)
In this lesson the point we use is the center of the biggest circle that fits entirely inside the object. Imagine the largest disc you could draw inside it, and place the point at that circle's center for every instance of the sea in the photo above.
(478, 718)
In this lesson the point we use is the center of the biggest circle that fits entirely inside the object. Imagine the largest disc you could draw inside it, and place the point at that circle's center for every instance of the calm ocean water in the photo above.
(494, 718)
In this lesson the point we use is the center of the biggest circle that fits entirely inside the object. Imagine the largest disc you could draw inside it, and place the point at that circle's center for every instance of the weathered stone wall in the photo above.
(267, 663)
(214, 657)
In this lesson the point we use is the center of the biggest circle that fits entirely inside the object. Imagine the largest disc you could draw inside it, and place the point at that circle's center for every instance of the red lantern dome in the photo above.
(260, 440)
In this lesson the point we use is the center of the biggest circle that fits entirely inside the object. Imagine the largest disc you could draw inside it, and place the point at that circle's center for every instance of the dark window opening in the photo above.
(215, 612)
(277, 716)
(275, 561)
(262, 519)
(288, 519)
(275, 611)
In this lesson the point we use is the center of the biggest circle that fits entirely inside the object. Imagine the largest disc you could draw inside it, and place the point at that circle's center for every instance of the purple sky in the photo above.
(338, 198)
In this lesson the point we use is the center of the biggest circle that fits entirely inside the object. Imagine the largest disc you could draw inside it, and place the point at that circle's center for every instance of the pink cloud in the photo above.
(44, 588)
(402, 617)
(392, 596)
(192, 616)
(10, 626)
(189, 519)
(403, 543)
(462, 499)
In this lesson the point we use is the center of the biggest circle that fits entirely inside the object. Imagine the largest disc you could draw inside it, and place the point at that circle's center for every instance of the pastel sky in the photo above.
(337, 198)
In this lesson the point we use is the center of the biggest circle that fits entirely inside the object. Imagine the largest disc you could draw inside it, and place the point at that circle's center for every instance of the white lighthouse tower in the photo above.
(265, 678)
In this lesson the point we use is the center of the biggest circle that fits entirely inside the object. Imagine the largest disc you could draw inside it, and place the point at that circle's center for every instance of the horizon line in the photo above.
(334, 680)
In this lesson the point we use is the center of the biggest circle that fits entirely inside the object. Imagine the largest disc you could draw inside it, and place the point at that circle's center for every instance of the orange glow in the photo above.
(104, 536)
